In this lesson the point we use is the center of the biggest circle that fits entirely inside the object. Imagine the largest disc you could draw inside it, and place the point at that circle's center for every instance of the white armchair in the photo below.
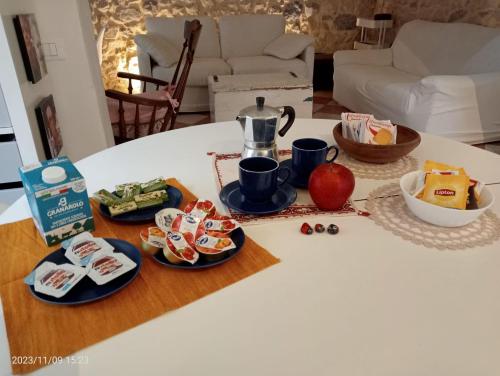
(438, 78)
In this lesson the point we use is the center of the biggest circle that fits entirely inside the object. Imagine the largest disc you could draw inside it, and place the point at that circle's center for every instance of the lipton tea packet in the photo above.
(178, 245)
(438, 167)
(446, 190)
(80, 249)
(212, 245)
(104, 267)
(55, 280)
(223, 225)
(200, 209)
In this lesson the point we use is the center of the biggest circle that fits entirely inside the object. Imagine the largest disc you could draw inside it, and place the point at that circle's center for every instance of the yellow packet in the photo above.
(429, 166)
(449, 191)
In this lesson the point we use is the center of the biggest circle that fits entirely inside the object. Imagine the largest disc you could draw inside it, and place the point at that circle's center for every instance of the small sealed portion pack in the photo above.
(364, 128)
(58, 199)
(104, 267)
(81, 248)
(55, 280)
(449, 191)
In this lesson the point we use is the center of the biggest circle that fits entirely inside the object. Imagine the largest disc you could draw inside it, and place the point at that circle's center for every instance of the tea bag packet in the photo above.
(446, 190)
(178, 244)
(474, 191)
(438, 167)
(55, 280)
(353, 123)
(223, 226)
(157, 184)
(212, 244)
(80, 249)
(378, 132)
(200, 209)
(104, 267)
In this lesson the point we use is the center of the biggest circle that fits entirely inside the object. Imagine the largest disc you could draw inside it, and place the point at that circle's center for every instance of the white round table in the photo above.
(363, 302)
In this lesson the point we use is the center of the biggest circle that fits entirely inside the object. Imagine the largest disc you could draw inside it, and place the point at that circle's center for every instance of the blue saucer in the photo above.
(146, 214)
(294, 179)
(231, 196)
(86, 290)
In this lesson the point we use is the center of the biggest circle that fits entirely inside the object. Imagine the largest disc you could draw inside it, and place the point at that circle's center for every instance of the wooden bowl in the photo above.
(407, 140)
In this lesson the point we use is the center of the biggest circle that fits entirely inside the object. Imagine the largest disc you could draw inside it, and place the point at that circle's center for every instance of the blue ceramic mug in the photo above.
(259, 178)
(307, 154)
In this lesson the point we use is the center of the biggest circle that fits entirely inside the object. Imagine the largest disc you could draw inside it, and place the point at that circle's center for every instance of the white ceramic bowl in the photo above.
(437, 215)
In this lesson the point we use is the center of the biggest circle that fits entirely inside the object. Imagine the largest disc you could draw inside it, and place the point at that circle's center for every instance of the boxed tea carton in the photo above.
(58, 199)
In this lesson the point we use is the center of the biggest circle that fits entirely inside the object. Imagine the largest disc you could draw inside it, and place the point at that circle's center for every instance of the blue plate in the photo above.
(146, 214)
(86, 290)
(294, 179)
(237, 236)
(231, 196)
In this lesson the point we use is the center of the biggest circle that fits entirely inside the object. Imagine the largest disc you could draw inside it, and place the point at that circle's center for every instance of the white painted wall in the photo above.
(74, 82)
(4, 114)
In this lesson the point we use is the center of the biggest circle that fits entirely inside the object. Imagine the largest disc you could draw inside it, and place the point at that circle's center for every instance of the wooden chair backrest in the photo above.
(192, 31)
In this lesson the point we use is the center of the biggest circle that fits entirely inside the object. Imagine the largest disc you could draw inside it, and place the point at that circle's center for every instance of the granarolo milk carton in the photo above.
(58, 199)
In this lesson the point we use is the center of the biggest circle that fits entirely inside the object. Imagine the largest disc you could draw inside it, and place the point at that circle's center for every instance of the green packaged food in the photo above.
(156, 195)
(120, 188)
(153, 185)
(148, 203)
(123, 207)
(106, 198)
(130, 191)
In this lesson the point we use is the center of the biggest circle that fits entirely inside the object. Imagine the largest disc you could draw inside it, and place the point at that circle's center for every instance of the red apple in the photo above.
(330, 185)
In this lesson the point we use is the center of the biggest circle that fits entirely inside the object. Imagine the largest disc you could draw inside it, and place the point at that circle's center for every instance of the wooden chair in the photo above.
(138, 115)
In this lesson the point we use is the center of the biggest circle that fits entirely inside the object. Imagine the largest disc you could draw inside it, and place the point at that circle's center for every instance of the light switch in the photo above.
(53, 50)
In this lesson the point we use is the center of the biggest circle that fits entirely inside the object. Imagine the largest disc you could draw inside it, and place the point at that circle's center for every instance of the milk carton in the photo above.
(58, 199)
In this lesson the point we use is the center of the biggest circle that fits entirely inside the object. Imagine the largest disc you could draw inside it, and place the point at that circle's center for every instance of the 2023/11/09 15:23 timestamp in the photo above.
(47, 360)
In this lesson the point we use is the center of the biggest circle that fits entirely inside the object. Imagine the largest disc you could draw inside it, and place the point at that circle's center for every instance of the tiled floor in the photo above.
(324, 107)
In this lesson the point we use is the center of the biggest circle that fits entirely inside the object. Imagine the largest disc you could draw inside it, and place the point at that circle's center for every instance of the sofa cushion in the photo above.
(172, 28)
(160, 49)
(432, 48)
(381, 90)
(201, 68)
(266, 64)
(248, 35)
(288, 46)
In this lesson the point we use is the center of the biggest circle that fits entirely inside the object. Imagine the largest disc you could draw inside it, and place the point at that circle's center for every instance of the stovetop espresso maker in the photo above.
(260, 126)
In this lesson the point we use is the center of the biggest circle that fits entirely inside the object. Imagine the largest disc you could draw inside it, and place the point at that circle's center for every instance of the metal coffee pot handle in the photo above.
(287, 110)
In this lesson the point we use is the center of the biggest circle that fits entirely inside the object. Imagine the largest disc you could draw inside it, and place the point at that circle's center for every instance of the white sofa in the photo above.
(441, 78)
(235, 47)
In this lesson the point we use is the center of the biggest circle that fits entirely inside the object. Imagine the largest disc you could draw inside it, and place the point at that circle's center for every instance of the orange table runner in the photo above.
(38, 329)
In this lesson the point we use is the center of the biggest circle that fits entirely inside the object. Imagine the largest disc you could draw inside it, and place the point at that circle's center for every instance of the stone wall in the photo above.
(480, 12)
(331, 22)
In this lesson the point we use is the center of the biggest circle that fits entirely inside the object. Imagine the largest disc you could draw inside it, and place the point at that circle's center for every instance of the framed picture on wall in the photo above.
(49, 128)
(31, 46)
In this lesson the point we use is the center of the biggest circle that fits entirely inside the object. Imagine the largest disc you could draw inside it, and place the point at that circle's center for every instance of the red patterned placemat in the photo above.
(226, 171)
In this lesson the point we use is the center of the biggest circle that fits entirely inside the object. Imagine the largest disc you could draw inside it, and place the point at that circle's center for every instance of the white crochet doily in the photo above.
(388, 209)
(378, 171)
